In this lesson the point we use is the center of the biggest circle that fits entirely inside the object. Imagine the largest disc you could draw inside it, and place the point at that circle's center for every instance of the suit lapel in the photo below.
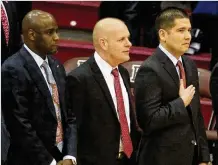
(38, 78)
(102, 83)
(188, 74)
(130, 96)
(57, 76)
(168, 65)
(188, 70)
(127, 85)
(55, 72)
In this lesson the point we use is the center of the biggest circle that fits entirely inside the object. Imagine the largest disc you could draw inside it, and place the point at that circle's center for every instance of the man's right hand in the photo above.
(186, 94)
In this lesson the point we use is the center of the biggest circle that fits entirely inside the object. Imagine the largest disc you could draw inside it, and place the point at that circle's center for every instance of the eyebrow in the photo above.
(183, 28)
(52, 28)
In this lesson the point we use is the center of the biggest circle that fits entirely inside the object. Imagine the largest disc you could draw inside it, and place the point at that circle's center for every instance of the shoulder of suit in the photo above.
(14, 66)
(14, 61)
(81, 71)
(151, 62)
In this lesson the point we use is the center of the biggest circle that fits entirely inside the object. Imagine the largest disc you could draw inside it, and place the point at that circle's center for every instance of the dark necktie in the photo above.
(125, 136)
(55, 97)
(5, 24)
(182, 72)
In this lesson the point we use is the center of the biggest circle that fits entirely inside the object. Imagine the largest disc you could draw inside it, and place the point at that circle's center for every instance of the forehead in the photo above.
(120, 31)
(182, 23)
(47, 22)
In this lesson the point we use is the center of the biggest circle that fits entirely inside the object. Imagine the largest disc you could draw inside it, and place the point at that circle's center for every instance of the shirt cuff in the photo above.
(53, 162)
(70, 157)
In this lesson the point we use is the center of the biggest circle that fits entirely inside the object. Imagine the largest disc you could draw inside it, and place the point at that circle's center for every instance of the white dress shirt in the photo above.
(106, 70)
(39, 61)
(172, 58)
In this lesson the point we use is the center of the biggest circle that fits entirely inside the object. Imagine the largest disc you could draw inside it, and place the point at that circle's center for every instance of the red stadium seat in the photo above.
(69, 49)
(73, 63)
(206, 104)
(204, 80)
(133, 66)
(71, 14)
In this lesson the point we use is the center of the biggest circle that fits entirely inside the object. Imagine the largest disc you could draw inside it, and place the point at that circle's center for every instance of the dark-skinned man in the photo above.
(33, 98)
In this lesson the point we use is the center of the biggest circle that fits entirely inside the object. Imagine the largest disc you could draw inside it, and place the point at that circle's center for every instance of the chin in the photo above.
(54, 51)
(127, 58)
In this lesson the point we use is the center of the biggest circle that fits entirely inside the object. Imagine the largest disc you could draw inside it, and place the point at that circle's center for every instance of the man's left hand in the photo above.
(203, 164)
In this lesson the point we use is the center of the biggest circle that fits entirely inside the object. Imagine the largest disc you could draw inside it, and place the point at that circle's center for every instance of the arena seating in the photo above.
(71, 14)
(82, 15)
(69, 49)
(132, 67)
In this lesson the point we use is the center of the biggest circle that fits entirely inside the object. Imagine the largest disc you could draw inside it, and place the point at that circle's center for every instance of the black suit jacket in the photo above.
(30, 114)
(15, 16)
(214, 94)
(169, 128)
(213, 91)
(98, 126)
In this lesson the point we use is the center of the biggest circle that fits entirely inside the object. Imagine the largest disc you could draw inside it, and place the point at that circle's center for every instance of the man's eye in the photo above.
(122, 39)
(49, 32)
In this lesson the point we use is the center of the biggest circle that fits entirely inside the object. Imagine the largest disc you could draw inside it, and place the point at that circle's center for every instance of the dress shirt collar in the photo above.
(168, 54)
(36, 57)
(103, 65)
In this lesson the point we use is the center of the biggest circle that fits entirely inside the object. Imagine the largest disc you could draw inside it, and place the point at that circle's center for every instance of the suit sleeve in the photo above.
(214, 88)
(70, 136)
(151, 113)
(202, 138)
(76, 97)
(15, 106)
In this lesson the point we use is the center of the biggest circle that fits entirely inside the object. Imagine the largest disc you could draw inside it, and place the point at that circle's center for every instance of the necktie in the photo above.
(5, 24)
(55, 97)
(182, 72)
(125, 136)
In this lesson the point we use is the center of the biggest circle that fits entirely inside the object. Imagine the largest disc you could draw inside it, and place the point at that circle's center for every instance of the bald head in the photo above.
(105, 28)
(111, 41)
(40, 32)
(34, 20)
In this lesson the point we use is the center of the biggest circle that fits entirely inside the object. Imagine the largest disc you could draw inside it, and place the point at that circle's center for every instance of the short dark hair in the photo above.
(166, 18)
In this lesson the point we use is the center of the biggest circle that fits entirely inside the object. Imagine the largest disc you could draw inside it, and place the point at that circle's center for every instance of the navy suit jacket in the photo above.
(30, 113)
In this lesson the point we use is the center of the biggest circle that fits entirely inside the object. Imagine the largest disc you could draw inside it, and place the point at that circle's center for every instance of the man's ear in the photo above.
(31, 34)
(103, 43)
(162, 35)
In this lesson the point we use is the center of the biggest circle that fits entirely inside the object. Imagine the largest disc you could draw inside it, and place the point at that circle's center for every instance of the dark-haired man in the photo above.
(167, 98)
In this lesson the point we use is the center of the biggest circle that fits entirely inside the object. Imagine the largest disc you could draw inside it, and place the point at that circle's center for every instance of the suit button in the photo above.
(194, 142)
